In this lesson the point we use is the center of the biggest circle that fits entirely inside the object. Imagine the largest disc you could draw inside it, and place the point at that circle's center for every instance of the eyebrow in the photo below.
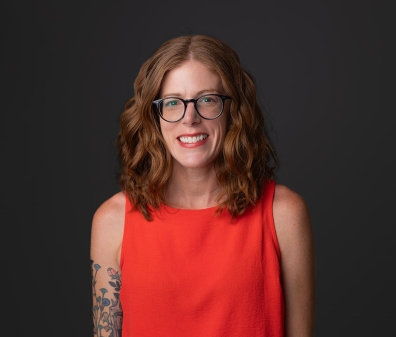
(199, 93)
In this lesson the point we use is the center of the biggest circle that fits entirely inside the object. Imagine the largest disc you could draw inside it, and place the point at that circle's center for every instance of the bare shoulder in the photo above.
(288, 204)
(106, 241)
(295, 237)
(291, 216)
(108, 228)
(110, 213)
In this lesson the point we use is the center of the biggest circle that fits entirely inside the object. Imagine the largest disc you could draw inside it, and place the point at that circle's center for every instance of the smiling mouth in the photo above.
(191, 140)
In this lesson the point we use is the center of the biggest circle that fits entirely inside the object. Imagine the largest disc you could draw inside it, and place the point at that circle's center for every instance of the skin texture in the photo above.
(178, 83)
(106, 238)
(193, 167)
(295, 237)
(194, 185)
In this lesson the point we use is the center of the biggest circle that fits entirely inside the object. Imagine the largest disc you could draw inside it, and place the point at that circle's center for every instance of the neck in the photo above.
(196, 188)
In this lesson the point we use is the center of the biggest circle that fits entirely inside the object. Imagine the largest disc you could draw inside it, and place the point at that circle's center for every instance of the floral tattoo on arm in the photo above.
(106, 311)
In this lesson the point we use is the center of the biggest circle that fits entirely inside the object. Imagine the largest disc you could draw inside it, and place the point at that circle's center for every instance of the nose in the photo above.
(191, 116)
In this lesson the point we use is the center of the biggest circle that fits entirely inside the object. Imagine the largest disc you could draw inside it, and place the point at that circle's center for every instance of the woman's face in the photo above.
(194, 142)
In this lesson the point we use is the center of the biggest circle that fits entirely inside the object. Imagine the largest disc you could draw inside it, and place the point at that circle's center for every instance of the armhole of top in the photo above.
(127, 208)
(270, 195)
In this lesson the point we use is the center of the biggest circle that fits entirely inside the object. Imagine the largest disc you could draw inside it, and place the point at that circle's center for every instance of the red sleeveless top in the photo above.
(190, 273)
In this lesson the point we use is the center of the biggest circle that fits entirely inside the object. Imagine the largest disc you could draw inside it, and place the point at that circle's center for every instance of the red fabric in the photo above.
(189, 273)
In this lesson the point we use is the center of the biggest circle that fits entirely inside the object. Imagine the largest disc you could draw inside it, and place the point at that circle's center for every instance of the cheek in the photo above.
(165, 130)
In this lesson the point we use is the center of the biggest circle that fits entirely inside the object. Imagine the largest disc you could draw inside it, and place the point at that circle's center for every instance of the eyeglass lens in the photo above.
(209, 106)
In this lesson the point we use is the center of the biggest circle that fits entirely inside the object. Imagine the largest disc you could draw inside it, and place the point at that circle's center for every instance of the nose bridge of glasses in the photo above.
(190, 115)
(194, 103)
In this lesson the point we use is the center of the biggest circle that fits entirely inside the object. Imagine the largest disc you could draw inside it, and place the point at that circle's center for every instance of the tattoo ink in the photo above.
(106, 311)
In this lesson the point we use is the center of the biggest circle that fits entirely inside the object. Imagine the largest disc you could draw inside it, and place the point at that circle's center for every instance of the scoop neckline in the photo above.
(174, 209)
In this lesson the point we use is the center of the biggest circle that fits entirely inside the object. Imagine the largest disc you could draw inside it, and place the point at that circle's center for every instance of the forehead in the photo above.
(190, 78)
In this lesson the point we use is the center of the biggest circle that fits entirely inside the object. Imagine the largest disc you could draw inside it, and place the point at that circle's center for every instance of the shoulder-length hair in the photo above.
(247, 158)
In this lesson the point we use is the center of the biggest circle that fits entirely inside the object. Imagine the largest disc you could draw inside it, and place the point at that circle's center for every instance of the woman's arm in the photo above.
(106, 239)
(294, 231)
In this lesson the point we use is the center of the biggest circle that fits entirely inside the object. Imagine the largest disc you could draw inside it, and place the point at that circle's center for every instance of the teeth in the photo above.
(194, 139)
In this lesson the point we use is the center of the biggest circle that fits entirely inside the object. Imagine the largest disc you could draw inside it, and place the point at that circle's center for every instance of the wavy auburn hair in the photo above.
(247, 158)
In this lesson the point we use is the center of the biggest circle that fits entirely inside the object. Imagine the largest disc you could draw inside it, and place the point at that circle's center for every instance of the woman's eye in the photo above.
(211, 99)
(171, 103)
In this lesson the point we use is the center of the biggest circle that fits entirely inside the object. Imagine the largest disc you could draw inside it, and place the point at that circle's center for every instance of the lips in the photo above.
(192, 139)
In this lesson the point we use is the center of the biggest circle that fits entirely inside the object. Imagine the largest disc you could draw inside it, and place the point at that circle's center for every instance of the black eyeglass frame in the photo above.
(158, 103)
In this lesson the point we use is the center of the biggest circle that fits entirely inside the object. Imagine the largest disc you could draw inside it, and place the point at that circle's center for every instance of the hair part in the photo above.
(247, 158)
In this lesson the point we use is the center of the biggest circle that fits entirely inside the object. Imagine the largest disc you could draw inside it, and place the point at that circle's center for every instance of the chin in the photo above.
(193, 164)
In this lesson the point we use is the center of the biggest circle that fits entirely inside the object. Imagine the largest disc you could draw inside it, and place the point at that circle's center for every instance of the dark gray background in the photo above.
(68, 67)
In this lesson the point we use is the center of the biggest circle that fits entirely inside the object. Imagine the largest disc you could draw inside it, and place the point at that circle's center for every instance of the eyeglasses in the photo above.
(173, 109)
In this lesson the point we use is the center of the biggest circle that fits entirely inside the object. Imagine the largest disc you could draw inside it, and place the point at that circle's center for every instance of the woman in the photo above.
(200, 241)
